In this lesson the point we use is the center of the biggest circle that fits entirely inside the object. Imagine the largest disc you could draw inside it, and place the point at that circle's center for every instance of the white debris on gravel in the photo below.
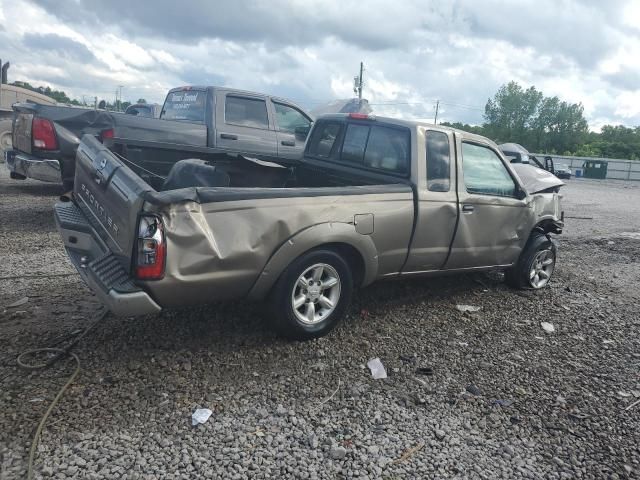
(548, 327)
(18, 303)
(468, 308)
(377, 369)
(201, 415)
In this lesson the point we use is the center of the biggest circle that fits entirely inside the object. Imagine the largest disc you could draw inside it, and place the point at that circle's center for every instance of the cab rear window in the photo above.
(370, 146)
(187, 105)
(323, 139)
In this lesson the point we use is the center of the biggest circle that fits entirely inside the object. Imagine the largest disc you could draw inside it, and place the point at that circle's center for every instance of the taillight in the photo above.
(106, 134)
(43, 134)
(151, 248)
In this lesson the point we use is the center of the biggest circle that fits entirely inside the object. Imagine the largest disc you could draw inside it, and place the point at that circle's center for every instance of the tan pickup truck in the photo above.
(372, 199)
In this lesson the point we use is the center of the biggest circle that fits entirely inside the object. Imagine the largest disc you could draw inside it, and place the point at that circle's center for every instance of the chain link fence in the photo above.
(617, 169)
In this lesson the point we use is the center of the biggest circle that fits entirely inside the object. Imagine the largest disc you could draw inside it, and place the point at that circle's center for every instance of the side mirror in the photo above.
(302, 130)
(521, 194)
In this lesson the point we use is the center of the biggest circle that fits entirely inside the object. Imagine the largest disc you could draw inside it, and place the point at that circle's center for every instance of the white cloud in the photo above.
(458, 52)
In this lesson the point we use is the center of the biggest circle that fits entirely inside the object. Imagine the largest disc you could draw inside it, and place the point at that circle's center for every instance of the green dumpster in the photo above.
(595, 169)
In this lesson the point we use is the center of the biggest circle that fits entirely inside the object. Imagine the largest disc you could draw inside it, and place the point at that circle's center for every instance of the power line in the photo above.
(468, 107)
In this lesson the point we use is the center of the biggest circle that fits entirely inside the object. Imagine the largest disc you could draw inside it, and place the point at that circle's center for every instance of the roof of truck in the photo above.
(237, 91)
(406, 123)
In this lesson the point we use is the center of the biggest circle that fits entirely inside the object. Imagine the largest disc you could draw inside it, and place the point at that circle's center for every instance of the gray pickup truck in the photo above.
(194, 122)
(372, 199)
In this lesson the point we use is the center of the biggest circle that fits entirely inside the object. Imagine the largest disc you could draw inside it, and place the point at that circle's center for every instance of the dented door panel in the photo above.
(492, 234)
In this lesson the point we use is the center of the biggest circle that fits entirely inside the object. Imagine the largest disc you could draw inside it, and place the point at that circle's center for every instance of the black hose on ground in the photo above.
(59, 354)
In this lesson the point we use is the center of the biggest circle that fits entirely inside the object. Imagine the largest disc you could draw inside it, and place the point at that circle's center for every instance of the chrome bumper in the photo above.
(98, 267)
(46, 170)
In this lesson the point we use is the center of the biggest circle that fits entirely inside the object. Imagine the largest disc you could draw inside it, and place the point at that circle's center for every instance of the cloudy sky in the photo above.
(415, 52)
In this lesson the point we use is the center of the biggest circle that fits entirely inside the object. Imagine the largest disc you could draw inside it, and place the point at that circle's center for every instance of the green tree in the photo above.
(141, 100)
(539, 123)
(509, 116)
(477, 129)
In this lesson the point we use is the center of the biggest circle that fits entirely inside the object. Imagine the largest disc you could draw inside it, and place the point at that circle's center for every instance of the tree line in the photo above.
(549, 125)
(61, 97)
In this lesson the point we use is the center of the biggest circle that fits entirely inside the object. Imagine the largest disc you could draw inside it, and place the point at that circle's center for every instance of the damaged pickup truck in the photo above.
(371, 199)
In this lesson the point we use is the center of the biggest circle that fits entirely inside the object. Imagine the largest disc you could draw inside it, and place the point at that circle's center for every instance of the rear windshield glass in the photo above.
(323, 139)
(354, 143)
(139, 110)
(388, 149)
(186, 105)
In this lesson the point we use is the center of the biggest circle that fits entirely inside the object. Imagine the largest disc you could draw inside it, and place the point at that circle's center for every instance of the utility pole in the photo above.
(435, 119)
(120, 97)
(358, 82)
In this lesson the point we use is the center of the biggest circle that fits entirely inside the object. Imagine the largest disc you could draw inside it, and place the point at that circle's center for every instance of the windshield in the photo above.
(139, 110)
(187, 105)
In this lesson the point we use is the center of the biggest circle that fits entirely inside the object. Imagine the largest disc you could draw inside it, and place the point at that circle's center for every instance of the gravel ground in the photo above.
(488, 394)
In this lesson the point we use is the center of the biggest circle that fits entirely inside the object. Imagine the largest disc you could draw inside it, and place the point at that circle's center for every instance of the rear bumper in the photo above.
(22, 164)
(99, 267)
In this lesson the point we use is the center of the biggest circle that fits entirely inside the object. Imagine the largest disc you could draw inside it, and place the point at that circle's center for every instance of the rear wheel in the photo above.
(6, 142)
(312, 295)
(535, 265)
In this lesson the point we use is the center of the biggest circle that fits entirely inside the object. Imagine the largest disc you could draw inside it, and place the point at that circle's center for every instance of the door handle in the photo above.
(288, 143)
(468, 208)
(228, 136)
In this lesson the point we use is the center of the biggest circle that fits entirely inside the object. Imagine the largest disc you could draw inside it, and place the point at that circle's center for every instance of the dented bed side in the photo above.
(211, 260)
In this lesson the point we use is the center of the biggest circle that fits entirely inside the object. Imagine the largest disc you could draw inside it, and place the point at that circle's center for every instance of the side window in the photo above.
(484, 172)
(288, 118)
(323, 139)
(248, 112)
(388, 149)
(354, 143)
(438, 161)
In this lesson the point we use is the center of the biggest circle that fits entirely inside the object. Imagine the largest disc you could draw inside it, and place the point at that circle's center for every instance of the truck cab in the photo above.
(238, 120)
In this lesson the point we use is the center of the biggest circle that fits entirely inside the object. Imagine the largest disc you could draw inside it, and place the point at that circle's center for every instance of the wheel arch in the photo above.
(358, 251)
(547, 225)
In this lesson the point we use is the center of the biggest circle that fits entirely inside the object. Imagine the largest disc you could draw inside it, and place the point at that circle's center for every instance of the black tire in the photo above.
(519, 276)
(281, 298)
(5, 133)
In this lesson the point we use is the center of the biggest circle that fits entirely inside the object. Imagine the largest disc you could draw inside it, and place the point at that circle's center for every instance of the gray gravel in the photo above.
(503, 399)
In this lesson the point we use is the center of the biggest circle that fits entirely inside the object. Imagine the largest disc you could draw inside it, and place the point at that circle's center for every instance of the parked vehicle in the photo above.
(372, 199)
(516, 153)
(150, 110)
(10, 94)
(563, 171)
(194, 122)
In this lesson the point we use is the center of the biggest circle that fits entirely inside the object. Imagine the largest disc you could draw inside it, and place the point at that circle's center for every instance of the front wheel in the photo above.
(311, 295)
(535, 265)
